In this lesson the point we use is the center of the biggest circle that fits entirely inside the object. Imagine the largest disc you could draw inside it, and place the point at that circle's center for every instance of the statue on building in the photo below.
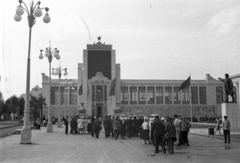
(228, 86)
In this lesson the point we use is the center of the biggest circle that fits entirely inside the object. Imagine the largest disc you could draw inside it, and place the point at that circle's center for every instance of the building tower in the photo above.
(95, 76)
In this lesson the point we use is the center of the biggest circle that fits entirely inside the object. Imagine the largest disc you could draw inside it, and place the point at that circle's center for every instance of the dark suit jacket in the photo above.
(158, 128)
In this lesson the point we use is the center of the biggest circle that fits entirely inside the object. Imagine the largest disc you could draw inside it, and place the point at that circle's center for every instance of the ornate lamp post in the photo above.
(58, 71)
(49, 53)
(33, 12)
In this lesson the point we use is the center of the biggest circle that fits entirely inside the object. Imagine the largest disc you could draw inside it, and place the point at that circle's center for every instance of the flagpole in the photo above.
(190, 102)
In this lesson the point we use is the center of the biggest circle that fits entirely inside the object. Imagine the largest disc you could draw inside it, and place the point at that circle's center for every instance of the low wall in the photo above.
(232, 111)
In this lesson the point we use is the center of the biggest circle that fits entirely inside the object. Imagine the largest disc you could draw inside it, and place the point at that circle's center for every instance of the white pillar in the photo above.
(85, 82)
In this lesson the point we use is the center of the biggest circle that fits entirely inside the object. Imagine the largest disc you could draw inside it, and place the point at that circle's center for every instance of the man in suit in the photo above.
(97, 123)
(107, 126)
(158, 130)
(130, 127)
(92, 121)
(66, 125)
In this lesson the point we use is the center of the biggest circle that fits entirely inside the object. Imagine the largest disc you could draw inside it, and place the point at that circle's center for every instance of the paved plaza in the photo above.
(60, 148)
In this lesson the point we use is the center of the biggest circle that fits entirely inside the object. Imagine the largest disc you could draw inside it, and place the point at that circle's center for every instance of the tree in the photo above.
(15, 104)
(41, 101)
(21, 102)
(12, 105)
(33, 104)
(1, 103)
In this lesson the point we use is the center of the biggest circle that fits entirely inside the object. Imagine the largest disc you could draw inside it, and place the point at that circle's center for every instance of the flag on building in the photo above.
(112, 88)
(185, 84)
(80, 90)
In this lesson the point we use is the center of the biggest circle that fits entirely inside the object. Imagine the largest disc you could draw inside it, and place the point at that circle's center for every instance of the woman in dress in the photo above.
(80, 125)
(218, 127)
(145, 127)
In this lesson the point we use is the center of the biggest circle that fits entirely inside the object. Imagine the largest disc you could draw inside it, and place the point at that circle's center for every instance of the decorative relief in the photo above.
(64, 111)
(99, 79)
(209, 111)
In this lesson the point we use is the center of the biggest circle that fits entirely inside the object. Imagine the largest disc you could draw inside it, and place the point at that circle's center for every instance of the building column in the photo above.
(155, 95)
(138, 95)
(85, 83)
(113, 74)
(164, 95)
(146, 91)
(80, 82)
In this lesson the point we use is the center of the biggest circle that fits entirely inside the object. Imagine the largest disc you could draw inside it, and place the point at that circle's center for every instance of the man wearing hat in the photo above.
(130, 127)
(158, 130)
(226, 129)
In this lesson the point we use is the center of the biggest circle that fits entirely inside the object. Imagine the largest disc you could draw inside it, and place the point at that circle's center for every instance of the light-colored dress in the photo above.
(80, 123)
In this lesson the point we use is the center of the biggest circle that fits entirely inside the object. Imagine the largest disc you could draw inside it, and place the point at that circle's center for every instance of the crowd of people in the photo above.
(164, 131)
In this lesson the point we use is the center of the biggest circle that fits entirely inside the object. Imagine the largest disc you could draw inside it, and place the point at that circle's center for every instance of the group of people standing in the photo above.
(153, 130)
(156, 131)
(78, 124)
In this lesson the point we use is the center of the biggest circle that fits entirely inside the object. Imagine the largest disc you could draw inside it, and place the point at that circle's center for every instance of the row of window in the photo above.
(66, 96)
(169, 94)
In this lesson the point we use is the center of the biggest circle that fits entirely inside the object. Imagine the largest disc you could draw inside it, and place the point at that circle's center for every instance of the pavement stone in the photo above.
(61, 148)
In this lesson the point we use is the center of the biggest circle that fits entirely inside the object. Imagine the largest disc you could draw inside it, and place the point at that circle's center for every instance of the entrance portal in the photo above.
(99, 110)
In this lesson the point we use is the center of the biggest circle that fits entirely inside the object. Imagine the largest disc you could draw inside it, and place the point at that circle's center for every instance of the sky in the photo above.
(153, 39)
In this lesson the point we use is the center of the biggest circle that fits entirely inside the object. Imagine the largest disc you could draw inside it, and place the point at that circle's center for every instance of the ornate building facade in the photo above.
(89, 93)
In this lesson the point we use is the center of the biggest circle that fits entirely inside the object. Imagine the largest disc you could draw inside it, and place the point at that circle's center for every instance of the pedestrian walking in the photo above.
(176, 123)
(89, 127)
(80, 125)
(130, 127)
(92, 127)
(218, 127)
(66, 124)
(145, 130)
(184, 129)
(107, 126)
(2, 117)
(123, 127)
(170, 134)
(226, 129)
(116, 127)
(85, 125)
(97, 125)
(158, 130)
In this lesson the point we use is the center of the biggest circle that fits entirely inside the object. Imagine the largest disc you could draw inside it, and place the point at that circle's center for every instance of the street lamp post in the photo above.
(33, 12)
(49, 53)
(58, 71)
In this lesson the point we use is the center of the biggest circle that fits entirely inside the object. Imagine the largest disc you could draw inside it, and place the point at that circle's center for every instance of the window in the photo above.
(54, 93)
(194, 95)
(65, 96)
(219, 94)
(93, 93)
(159, 95)
(133, 95)
(73, 96)
(99, 93)
(186, 95)
(124, 95)
(168, 95)
(150, 95)
(176, 95)
(203, 95)
(142, 95)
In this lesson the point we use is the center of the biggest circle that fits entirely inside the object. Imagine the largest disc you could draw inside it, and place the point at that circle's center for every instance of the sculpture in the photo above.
(228, 86)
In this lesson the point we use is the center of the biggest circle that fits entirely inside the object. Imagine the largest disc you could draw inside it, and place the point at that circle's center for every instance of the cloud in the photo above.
(225, 21)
